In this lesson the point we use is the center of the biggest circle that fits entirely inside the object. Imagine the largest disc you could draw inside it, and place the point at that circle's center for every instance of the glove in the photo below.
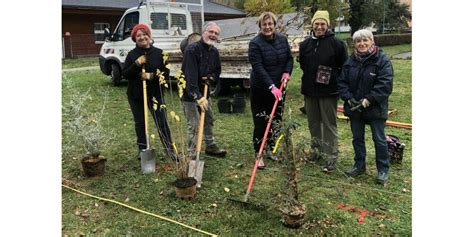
(147, 75)
(365, 103)
(286, 76)
(276, 92)
(354, 105)
(208, 80)
(353, 102)
(140, 60)
(202, 103)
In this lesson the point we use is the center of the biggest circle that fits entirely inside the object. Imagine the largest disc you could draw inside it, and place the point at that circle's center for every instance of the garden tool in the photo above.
(260, 151)
(147, 156)
(196, 166)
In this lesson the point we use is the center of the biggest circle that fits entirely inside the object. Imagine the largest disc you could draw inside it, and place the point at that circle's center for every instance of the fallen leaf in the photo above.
(236, 176)
(213, 205)
(226, 189)
(161, 193)
(405, 190)
(127, 199)
(124, 124)
(156, 180)
(77, 213)
(96, 205)
(382, 226)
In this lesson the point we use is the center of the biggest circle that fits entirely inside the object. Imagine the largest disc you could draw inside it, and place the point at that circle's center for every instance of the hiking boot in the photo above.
(261, 165)
(355, 172)
(213, 150)
(382, 177)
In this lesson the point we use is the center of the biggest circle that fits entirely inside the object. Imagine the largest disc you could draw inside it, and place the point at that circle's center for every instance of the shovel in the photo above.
(195, 166)
(260, 151)
(147, 156)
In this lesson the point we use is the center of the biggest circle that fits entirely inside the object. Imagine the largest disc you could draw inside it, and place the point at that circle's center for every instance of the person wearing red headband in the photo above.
(146, 56)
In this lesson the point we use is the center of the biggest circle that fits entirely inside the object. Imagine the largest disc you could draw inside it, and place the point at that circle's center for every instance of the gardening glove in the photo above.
(353, 102)
(208, 80)
(147, 75)
(285, 77)
(276, 92)
(365, 103)
(202, 103)
(140, 60)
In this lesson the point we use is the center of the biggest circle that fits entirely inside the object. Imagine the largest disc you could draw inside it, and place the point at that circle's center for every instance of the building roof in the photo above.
(209, 7)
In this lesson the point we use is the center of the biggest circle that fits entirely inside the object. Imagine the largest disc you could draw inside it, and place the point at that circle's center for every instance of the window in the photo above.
(99, 32)
(126, 25)
(159, 21)
(178, 20)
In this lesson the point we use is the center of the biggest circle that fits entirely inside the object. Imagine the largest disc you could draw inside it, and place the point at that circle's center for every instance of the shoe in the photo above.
(315, 157)
(261, 165)
(355, 172)
(213, 150)
(329, 168)
(382, 177)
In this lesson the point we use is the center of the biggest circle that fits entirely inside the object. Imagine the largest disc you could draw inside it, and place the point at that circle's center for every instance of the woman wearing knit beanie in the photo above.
(321, 58)
(365, 84)
(146, 56)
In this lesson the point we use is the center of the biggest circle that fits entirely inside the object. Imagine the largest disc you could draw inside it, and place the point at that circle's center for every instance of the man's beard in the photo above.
(211, 42)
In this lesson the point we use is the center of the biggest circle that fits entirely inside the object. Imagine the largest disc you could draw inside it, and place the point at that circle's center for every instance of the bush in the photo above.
(387, 39)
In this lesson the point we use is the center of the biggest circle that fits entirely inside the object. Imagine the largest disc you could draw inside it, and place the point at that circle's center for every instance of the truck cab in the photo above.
(169, 22)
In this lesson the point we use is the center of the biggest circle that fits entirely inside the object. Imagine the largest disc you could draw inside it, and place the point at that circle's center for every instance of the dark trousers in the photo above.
(159, 116)
(261, 102)
(378, 136)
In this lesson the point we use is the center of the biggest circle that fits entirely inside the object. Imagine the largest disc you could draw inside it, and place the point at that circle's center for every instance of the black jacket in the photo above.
(371, 78)
(270, 58)
(132, 72)
(200, 60)
(327, 51)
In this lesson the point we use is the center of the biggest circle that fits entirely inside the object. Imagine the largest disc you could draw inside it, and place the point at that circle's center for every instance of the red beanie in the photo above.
(143, 27)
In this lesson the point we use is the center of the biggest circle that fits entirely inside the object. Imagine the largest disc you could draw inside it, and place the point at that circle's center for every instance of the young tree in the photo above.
(256, 7)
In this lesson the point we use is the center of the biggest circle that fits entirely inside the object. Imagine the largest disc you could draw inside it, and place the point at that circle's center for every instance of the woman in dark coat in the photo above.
(272, 63)
(151, 58)
(365, 84)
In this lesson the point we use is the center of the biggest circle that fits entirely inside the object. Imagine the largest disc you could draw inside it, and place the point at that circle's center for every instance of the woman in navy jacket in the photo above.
(272, 63)
(365, 84)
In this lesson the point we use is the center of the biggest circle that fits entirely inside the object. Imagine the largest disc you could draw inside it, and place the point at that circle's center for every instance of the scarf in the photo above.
(362, 56)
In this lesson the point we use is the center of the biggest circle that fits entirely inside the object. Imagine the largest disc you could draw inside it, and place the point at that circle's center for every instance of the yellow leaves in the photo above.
(163, 106)
(168, 66)
(152, 136)
(165, 57)
(226, 189)
(161, 78)
(155, 103)
(174, 116)
(181, 83)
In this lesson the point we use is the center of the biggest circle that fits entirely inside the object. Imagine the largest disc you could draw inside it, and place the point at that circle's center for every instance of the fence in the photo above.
(80, 45)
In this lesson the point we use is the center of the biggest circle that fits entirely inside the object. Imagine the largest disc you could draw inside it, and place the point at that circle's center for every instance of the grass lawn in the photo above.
(210, 210)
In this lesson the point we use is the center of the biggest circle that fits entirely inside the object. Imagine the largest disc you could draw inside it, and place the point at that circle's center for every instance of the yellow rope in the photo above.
(138, 210)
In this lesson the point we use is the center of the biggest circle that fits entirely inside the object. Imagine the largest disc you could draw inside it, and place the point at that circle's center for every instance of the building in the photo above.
(84, 21)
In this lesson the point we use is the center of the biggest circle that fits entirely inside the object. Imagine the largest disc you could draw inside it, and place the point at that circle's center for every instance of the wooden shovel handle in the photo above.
(201, 124)
(145, 109)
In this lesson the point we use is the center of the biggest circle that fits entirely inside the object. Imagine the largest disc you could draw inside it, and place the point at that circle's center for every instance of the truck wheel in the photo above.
(116, 74)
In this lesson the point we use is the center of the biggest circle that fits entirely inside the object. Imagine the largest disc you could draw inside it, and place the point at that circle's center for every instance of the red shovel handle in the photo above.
(262, 145)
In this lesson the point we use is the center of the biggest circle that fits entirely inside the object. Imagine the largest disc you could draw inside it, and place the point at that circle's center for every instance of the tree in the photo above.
(363, 13)
(396, 15)
(256, 7)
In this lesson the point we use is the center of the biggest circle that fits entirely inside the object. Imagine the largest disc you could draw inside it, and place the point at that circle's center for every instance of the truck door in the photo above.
(124, 43)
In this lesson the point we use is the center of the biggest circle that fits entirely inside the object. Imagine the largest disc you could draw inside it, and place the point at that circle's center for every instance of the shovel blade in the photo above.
(195, 170)
(148, 160)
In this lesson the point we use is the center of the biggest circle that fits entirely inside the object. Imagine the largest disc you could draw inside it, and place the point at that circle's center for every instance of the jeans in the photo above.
(378, 136)
(192, 113)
